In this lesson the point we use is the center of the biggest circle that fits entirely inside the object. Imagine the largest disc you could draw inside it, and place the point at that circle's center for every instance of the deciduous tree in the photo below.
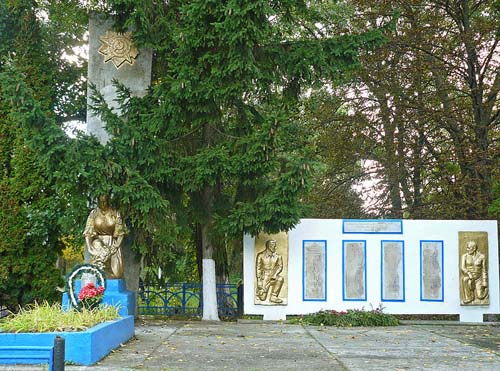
(427, 104)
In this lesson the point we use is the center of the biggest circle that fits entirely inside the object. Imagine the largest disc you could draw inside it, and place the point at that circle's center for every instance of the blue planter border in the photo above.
(84, 347)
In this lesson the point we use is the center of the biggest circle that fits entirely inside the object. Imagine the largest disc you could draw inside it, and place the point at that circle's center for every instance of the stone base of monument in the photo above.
(116, 294)
(88, 347)
(82, 347)
(470, 316)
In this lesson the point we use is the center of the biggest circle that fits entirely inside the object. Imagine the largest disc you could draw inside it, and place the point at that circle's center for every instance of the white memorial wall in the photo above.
(406, 266)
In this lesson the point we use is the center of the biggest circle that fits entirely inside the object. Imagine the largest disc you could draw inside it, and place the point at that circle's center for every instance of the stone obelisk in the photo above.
(113, 56)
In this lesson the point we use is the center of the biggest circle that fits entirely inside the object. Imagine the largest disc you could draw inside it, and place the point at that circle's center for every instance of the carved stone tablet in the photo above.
(473, 268)
(314, 270)
(373, 226)
(354, 270)
(392, 271)
(271, 269)
(431, 260)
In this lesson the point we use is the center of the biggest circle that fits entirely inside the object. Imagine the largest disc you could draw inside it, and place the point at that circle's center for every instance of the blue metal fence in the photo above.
(186, 300)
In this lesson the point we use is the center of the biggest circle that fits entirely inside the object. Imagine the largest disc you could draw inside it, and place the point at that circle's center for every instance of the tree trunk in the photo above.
(132, 268)
(390, 159)
(210, 312)
(199, 250)
(222, 272)
(221, 260)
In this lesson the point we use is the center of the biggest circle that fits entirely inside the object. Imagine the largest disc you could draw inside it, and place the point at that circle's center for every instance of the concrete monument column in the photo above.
(113, 56)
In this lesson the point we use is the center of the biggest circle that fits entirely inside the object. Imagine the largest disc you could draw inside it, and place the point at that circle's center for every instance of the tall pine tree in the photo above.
(219, 135)
(31, 208)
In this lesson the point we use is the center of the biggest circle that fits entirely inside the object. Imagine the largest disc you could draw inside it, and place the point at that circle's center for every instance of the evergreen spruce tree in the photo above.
(31, 209)
(218, 144)
(220, 133)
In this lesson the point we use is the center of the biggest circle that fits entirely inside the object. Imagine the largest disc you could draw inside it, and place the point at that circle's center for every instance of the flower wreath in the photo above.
(76, 274)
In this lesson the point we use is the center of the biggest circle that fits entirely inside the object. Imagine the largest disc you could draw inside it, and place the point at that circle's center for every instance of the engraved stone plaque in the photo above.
(354, 260)
(393, 271)
(271, 269)
(431, 270)
(473, 268)
(314, 270)
(373, 226)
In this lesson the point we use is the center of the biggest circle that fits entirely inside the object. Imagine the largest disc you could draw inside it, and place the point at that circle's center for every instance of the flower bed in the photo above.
(348, 318)
(47, 317)
(84, 347)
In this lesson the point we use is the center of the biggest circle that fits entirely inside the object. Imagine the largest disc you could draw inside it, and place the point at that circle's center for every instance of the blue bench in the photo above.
(27, 355)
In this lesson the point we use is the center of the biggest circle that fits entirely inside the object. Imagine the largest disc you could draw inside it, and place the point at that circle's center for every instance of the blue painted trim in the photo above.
(404, 273)
(442, 272)
(304, 269)
(83, 347)
(382, 270)
(343, 270)
(400, 221)
(27, 355)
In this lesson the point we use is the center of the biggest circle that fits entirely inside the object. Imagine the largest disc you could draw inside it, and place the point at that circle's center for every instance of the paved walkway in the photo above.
(257, 345)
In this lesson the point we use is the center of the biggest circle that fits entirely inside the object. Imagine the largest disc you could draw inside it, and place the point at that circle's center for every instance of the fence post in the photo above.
(239, 297)
(59, 350)
(183, 298)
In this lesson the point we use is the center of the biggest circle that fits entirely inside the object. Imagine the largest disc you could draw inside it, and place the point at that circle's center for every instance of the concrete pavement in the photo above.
(258, 345)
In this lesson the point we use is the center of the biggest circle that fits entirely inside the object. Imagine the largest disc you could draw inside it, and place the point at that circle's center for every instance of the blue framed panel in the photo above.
(354, 270)
(314, 264)
(431, 270)
(372, 226)
(392, 267)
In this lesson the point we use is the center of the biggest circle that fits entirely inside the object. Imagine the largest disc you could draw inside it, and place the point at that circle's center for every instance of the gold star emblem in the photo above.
(118, 48)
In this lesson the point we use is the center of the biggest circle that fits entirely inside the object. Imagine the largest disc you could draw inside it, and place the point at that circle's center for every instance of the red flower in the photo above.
(91, 293)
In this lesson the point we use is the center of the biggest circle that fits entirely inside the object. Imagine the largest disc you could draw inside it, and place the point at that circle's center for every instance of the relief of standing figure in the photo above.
(474, 275)
(269, 265)
(104, 233)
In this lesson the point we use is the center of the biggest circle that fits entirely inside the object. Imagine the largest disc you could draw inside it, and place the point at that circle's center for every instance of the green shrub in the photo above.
(349, 318)
(47, 318)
